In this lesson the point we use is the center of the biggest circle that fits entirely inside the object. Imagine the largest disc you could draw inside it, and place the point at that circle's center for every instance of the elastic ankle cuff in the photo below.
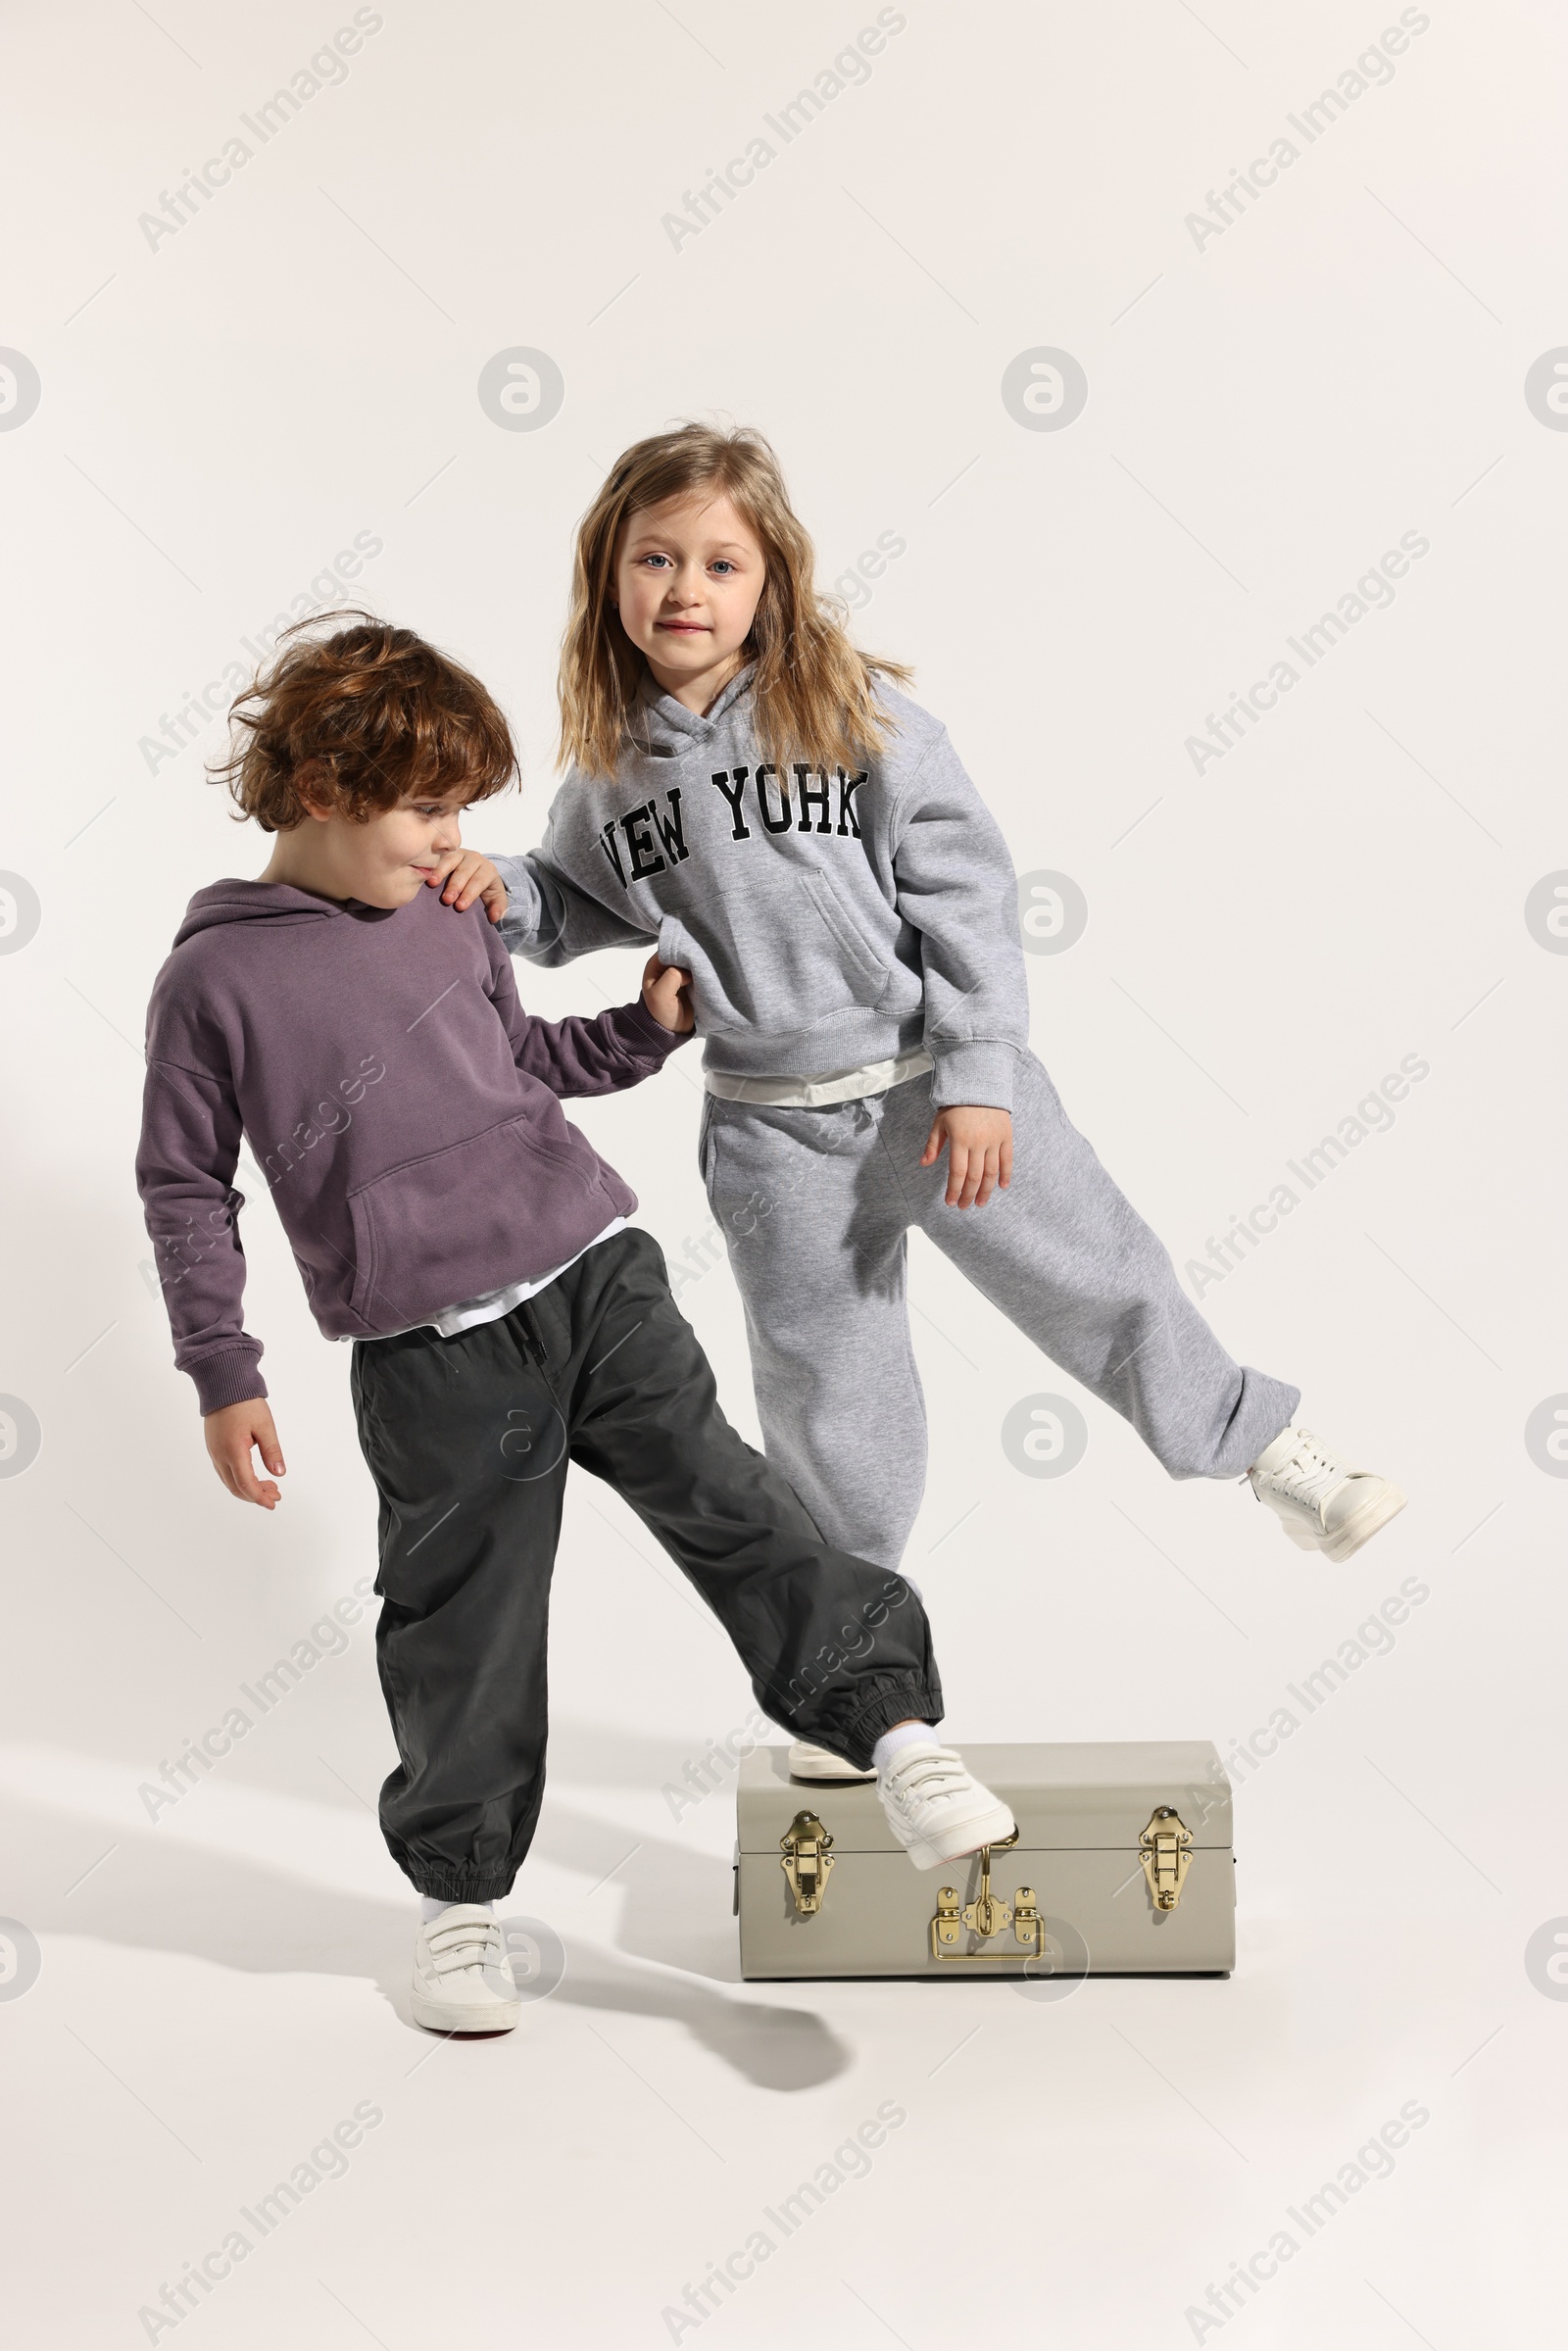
(463, 1885)
(854, 1731)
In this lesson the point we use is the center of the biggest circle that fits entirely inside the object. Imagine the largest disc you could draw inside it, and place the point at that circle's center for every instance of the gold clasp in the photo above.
(988, 1915)
(1166, 1851)
(807, 1851)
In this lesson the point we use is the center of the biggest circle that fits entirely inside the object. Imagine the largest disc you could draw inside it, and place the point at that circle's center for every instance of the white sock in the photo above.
(432, 1905)
(891, 1743)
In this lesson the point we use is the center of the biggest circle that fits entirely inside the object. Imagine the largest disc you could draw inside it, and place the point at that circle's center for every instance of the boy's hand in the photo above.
(230, 1434)
(979, 1146)
(463, 875)
(668, 994)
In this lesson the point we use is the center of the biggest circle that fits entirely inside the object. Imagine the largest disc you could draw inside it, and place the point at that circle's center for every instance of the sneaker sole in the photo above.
(827, 1770)
(990, 1828)
(1368, 1521)
(458, 2016)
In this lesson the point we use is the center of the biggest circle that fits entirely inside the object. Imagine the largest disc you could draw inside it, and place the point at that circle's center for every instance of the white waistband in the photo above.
(812, 1093)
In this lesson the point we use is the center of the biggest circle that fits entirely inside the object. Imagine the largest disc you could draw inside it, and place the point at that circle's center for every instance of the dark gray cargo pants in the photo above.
(468, 1441)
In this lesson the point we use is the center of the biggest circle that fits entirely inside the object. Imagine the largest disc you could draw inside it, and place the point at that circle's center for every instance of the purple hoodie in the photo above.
(402, 1103)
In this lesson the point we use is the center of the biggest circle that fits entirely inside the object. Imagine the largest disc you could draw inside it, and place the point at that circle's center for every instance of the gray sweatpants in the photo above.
(815, 1206)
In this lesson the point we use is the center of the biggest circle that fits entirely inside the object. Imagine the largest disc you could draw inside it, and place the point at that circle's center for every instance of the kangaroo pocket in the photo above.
(784, 953)
(501, 1207)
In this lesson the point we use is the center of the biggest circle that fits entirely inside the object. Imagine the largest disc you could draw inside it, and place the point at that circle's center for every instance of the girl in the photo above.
(758, 797)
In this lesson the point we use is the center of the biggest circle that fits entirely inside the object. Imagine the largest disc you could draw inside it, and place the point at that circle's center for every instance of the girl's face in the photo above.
(689, 575)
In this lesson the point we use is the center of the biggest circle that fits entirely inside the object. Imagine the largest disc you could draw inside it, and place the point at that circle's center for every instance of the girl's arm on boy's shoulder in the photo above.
(539, 912)
(548, 919)
(954, 881)
(462, 876)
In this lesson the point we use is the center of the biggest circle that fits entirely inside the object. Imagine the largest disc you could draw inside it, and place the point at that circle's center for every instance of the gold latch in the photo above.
(988, 1915)
(808, 1856)
(1166, 1851)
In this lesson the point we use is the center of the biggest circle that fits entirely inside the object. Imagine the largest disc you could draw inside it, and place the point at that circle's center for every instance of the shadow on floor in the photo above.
(160, 1897)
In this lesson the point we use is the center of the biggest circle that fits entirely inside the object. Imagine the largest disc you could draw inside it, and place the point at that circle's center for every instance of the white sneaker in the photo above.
(937, 1812)
(816, 1763)
(462, 1980)
(1322, 1504)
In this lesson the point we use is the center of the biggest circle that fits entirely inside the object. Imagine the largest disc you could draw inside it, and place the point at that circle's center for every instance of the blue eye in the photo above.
(723, 564)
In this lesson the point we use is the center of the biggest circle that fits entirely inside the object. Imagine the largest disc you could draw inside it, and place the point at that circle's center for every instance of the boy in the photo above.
(506, 1317)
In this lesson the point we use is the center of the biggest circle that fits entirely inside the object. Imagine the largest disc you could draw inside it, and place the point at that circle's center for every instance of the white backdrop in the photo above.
(220, 402)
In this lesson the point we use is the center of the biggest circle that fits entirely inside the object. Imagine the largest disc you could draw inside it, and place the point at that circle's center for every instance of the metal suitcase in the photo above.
(1122, 1865)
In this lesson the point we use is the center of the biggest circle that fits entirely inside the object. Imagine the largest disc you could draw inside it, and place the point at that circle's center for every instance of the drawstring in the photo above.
(532, 1344)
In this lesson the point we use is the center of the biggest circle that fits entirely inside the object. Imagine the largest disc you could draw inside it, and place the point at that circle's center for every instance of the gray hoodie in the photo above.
(830, 921)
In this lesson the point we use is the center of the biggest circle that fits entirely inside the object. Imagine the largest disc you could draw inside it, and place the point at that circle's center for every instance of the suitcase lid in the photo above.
(1063, 1797)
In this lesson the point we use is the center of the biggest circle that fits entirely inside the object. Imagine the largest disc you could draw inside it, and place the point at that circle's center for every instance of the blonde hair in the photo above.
(815, 693)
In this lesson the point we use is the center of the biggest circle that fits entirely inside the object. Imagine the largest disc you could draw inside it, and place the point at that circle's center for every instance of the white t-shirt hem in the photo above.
(471, 1312)
(814, 1093)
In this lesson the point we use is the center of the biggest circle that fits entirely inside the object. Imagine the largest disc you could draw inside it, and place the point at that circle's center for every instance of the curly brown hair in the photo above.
(359, 720)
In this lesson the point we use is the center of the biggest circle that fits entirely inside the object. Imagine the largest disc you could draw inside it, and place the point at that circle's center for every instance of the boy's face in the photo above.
(387, 861)
(689, 575)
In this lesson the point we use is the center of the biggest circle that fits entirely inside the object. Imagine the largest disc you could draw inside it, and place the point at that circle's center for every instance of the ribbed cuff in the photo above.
(647, 1031)
(848, 1728)
(523, 931)
(233, 1377)
(457, 1884)
(979, 1076)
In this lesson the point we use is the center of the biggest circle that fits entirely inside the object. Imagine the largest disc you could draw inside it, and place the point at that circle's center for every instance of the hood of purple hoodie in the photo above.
(267, 902)
(402, 1108)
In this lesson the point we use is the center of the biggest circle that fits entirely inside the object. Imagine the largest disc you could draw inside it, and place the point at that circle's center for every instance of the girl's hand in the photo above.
(230, 1435)
(979, 1147)
(467, 876)
(668, 994)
